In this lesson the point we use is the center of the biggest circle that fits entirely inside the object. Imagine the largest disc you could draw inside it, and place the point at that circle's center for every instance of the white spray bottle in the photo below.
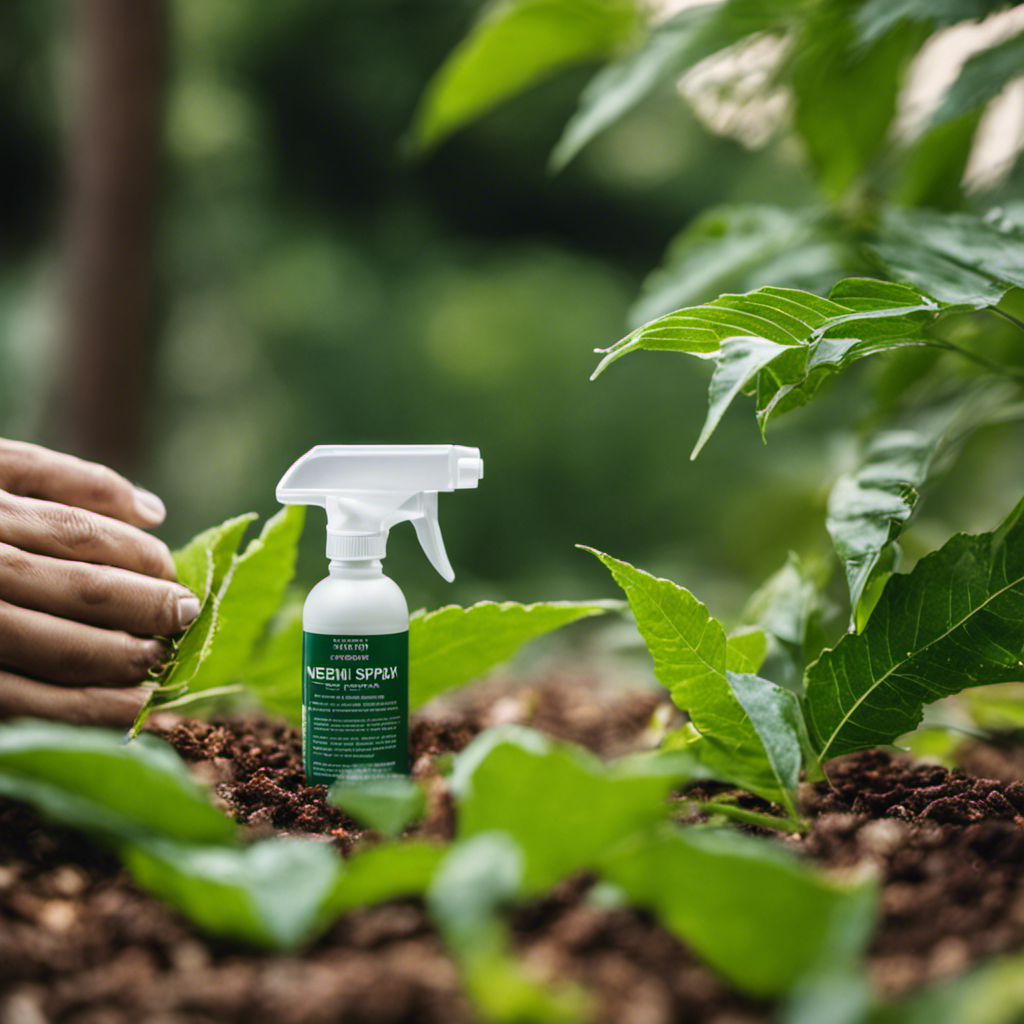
(355, 657)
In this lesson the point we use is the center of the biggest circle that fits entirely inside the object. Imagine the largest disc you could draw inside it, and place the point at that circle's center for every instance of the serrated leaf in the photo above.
(785, 342)
(960, 258)
(955, 621)
(386, 803)
(740, 248)
(515, 44)
(89, 779)
(869, 506)
(688, 646)
(453, 645)
(724, 894)
(251, 594)
(745, 651)
(205, 560)
(564, 807)
(982, 78)
(275, 893)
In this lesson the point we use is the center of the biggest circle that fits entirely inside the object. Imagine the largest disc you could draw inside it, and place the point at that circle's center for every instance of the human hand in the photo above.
(84, 593)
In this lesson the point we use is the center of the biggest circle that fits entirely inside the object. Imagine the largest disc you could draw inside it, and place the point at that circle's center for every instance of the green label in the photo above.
(355, 705)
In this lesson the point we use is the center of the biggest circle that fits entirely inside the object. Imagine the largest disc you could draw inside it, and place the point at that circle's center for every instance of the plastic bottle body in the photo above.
(355, 685)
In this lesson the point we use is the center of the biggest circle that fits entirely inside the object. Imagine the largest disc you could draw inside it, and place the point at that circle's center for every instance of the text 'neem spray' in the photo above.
(355, 648)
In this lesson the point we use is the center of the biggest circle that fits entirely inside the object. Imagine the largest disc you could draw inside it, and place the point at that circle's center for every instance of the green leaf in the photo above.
(933, 167)
(275, 893)
(250, 595)
(740, 248)
(955, 621)
(746, 651)
(877, 17)
(688, 646)
(386, 803)
(982, 78)
(515, 44)
(868, 507)
(563, 806)
(725, 895)
(274, 673)
(960, 258)
(476, 877)
(845, 94)
(89, 779)
(203, 563)
(672, 47)
(385, 872)
(785, 342)
(453, 645)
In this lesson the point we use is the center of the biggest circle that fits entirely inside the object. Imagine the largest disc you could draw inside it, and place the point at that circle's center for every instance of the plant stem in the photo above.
(1007, 316)
(989, 364)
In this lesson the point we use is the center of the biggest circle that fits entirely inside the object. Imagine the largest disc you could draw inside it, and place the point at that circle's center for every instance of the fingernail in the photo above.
(188, 609)
(149, 507)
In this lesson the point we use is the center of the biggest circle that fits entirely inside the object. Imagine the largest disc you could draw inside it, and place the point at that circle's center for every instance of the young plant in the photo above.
(885, 262)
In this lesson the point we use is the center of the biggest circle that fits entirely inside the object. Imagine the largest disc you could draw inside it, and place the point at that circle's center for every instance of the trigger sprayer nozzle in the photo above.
(367, 489)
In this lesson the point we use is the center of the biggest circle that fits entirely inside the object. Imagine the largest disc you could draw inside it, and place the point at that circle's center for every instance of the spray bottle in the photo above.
(355, 623)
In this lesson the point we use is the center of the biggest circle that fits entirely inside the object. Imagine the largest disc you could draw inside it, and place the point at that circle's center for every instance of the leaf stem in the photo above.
(1008, 316)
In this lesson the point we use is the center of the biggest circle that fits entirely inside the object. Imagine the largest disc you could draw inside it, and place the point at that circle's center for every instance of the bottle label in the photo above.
(355, 705)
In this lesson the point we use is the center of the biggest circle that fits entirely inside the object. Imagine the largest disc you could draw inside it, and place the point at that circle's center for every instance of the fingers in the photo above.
(98, 595)
(85, 705)
(71, 653)
(34, 472)
(60, 531)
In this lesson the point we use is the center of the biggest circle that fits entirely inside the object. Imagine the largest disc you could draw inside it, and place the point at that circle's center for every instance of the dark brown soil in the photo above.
(80, 945)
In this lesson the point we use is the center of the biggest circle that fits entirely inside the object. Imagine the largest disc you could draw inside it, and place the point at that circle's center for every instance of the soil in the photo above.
(79, 944)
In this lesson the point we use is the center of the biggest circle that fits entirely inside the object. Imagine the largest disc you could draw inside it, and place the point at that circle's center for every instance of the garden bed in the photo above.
(80, 944)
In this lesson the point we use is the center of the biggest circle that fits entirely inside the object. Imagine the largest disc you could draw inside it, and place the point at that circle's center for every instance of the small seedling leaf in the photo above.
(386, 803)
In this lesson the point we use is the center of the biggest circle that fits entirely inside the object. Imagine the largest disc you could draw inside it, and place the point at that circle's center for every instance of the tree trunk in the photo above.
(113, 172)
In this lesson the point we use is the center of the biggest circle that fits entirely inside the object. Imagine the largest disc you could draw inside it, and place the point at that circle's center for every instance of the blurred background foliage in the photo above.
(317, 283)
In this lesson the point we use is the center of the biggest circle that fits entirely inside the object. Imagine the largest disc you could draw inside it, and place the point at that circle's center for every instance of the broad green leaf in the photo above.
(473, 882)
(960, 258)
(689, 650)
(515, 44)
(746, 651)
(89, 779)
(740, 248)
(453, 645)
(955, 621)
(845, 93)
(877, 17)
(205, 560)
(756, 914)
(562, 805)
(386, 803)
(785, 343)
(276, 893)
(869, 506)
(274, 674)
(982, 78)
(385, 872)
(251, 594)
(784, 603)
(672, 47)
